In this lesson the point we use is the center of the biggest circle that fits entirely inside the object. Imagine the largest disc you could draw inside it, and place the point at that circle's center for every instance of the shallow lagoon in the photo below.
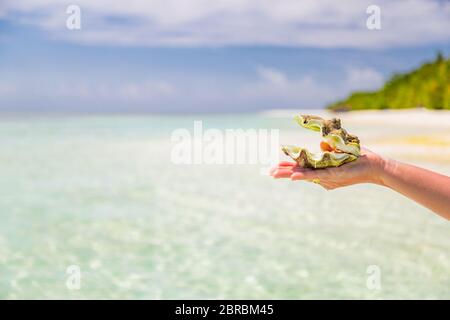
(101, 193)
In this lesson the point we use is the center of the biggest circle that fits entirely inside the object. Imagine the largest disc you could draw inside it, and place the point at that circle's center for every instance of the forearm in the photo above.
(428, 188)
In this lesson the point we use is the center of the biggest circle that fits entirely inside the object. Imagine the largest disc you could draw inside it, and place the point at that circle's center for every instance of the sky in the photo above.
(208, 56)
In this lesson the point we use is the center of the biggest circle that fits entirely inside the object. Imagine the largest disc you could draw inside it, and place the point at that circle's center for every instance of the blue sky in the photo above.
(203, 56)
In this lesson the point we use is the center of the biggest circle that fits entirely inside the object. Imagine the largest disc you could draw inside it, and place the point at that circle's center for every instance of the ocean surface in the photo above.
(102, 193)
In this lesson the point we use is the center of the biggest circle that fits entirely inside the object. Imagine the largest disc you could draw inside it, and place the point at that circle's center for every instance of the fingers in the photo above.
(286, 172)
(274, 171)
(283, 165)
(287, 164)
(295, 173)
(292, 171)
(282, 173)
(305, 175)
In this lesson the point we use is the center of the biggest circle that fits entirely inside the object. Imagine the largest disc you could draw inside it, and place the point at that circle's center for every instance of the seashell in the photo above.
(346, 146)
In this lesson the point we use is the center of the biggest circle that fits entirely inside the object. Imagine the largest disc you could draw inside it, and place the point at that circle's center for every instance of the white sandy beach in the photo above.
(416, 117)
(411, 135)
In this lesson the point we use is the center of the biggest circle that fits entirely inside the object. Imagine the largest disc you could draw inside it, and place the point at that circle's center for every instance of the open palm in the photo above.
(365, 169)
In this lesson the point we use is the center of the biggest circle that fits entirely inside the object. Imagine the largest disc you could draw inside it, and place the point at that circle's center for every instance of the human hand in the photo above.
(368, 168)
(426, 187)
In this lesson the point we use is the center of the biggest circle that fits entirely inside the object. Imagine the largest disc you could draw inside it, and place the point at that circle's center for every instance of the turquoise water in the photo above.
(101, 193)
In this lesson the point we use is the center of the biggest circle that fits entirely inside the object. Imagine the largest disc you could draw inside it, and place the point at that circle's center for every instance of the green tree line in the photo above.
(428, 87)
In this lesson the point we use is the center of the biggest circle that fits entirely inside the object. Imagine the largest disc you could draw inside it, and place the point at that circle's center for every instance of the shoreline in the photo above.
(413, 117)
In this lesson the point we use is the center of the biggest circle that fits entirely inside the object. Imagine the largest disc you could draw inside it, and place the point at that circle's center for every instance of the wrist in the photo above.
(380, 170)
(386, 169)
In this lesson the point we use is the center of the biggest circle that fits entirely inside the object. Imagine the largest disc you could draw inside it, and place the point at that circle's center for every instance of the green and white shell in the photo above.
(346, 146)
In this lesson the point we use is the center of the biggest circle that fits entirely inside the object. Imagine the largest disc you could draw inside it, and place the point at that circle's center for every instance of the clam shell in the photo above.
(319, 160)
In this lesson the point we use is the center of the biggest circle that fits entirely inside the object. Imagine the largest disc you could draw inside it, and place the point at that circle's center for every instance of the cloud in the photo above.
(146, 90)
(272, 76)
(135, 92)
(324, 24)
(7, 89)
(66, 94)
(363, 79)
(275, 88)
(267, 87)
